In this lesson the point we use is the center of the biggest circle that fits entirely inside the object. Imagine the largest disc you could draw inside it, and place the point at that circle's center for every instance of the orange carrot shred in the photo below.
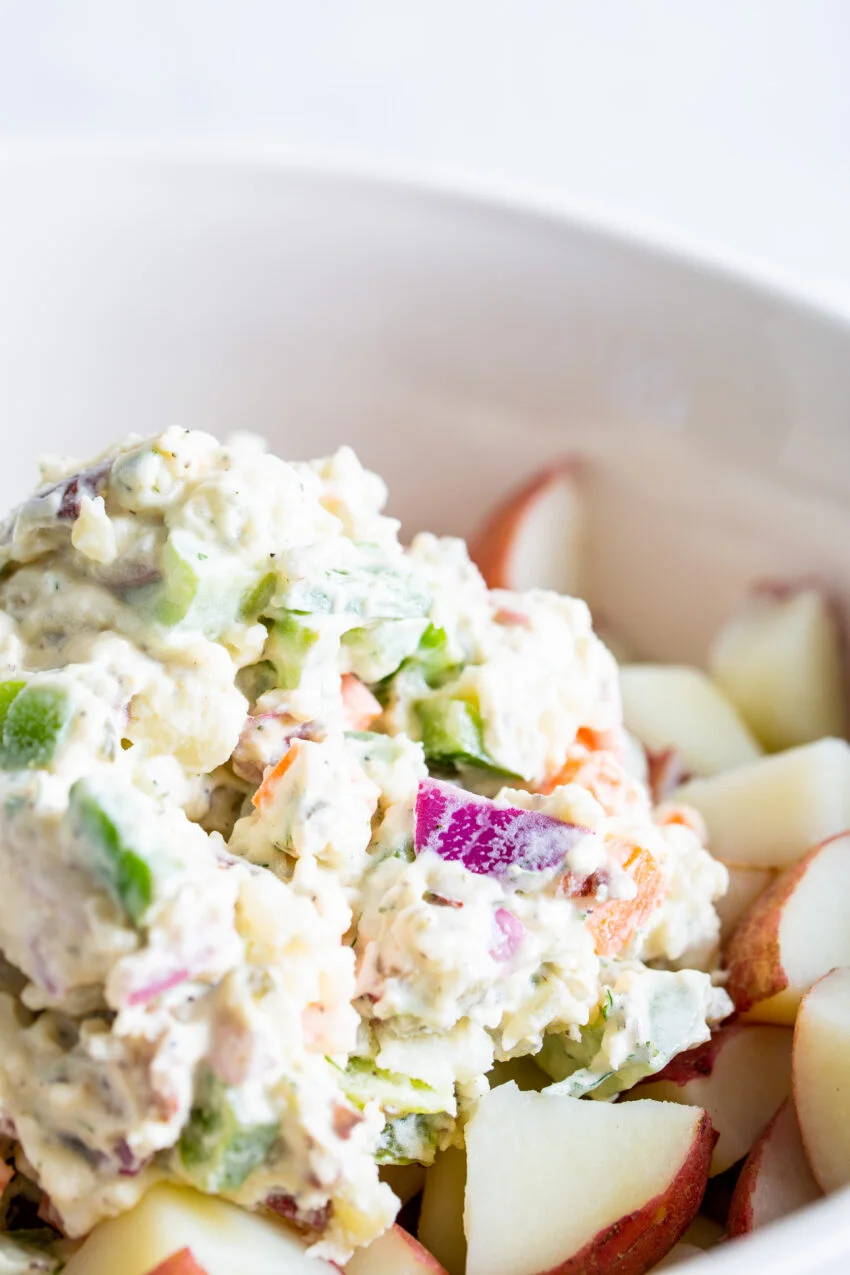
(264, 795)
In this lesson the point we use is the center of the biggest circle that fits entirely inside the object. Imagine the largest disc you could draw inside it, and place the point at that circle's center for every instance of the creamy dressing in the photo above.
(238, 969)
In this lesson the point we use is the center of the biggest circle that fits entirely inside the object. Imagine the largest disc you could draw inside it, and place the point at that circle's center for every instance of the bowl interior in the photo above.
(457, 346)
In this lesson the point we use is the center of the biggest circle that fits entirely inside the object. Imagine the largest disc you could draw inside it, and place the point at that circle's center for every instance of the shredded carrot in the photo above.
(360, 706)
(686, 816)
(614, 922)
(264, 795)
(602, 775)
(182, 1263)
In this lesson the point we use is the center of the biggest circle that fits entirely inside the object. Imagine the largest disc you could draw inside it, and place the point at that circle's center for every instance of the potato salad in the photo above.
(302, 831)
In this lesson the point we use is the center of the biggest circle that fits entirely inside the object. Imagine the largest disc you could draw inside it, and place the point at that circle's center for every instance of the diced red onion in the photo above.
(510, 933)
(142, 995)
(486, 838)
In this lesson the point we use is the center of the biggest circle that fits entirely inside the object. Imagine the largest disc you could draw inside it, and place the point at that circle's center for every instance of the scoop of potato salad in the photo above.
(301, 830)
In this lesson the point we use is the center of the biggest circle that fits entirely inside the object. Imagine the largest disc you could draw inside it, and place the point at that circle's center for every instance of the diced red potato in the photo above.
(618, 644)
(665, 773)
(669, 706)
(48, 1212)
(776, 1178)
(770, 813)
(524, 1072)
(441, 1216)
(67, 494)
(405, 1180)
(394, 1253)
(222, 1238)
(822, 1078)
(794, 933)
(746, 885)
(631, 1193)
(534, 538)
(779, 660)
(182, 1263)
(360, 707)
(739, 1077)
(704, 1233)
(679, 1255)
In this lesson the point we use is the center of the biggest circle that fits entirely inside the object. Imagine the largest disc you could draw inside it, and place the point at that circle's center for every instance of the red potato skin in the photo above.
(739, 1220)
(635, 1243)
(752, 956)
(666, 773)
(782, 590)
(420, 1252)
(182, 1263)
(490, 548)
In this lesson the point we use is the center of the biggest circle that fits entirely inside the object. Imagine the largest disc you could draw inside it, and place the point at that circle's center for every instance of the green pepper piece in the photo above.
(361, 1081)
(288, 645)
(433, 655)
(9, 691)
(370, 591)
(179, 584)
(34, 720)
(127, 873)
(413, 1139)
(217, 1152)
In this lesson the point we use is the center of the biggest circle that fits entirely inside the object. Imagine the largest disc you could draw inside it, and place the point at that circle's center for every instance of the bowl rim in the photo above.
(822, 1229)
(527, 202)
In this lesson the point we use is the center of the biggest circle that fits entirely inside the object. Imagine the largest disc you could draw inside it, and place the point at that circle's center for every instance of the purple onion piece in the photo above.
(489, 839)
(510, 935)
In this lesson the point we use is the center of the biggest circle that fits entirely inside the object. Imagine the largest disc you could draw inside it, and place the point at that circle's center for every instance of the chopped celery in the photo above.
(34, 719)
(361, 1081)
(217, 1151)
(255, 679)
(377, 650)
(200, 587)
(662, 1013)
(430, 662)
(451, 734)
(287, 647)
(180, 579)
(128, 873)
(370, 591)
(434, 656)
(257, 599)
(561, 1056)
(414, 1139)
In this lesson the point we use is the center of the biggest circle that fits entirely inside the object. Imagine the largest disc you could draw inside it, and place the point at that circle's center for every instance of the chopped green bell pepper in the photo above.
(217, 1152)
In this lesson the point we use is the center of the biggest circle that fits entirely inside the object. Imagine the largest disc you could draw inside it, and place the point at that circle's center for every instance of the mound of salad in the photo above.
(302, 830)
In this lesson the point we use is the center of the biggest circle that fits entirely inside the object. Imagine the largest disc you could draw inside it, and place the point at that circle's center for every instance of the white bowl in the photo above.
(456, 345)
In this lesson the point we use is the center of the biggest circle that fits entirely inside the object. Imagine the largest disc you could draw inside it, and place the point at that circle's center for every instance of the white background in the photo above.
(721, 128)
